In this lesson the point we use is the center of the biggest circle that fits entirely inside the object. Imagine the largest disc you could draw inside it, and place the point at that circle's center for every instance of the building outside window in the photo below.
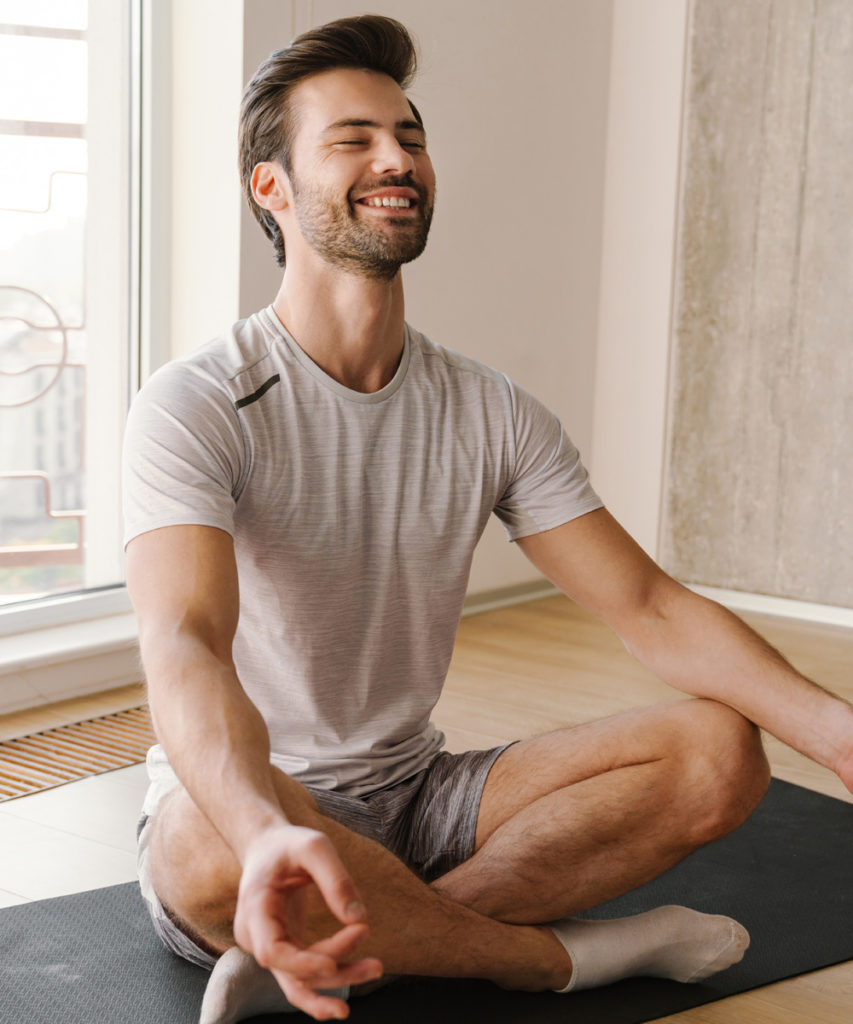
(67, 292)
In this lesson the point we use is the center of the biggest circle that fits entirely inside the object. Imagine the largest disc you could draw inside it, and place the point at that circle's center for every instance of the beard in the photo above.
(377, 250)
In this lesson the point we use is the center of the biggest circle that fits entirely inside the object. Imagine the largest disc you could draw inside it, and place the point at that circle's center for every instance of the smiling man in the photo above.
(370, 228)
(303, 498)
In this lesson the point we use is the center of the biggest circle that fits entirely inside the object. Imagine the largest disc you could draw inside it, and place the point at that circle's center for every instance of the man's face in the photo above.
(363, 184)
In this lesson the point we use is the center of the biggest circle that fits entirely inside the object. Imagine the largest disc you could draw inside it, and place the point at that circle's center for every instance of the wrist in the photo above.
(844, 762)
(254, 829)
(842, 741)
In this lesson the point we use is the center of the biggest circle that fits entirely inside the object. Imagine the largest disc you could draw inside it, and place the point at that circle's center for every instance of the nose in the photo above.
(389, 157)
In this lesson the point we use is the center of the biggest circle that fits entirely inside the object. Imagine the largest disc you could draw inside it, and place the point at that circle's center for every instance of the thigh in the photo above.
(192, 870)
(175, 934)
(533, 768)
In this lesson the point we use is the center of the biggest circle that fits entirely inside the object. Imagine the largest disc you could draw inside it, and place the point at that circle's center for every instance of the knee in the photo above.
(726, 766)
(193, 872)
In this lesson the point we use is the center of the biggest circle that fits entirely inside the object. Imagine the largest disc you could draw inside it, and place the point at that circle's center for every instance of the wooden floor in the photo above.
(521, 671)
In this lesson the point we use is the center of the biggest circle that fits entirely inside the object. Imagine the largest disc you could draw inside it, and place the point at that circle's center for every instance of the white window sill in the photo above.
(59, 661)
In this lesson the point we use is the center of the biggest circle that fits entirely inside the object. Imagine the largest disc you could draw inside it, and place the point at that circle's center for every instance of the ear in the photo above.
(270, 186)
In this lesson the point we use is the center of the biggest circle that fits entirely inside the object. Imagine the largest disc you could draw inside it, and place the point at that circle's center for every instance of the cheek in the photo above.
(427, 175)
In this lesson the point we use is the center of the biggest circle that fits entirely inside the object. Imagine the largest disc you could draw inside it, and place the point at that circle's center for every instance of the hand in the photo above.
(271, 915)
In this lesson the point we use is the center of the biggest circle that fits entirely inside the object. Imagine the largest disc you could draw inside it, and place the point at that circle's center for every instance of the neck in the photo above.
(350, 326)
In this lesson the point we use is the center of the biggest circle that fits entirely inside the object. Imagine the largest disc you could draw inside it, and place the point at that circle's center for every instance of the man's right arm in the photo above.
(183, 583)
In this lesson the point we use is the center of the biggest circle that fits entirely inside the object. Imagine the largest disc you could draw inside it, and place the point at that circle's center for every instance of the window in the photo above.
(66, 291)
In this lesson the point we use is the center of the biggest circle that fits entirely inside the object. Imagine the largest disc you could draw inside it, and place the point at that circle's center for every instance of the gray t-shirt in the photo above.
(354, 518)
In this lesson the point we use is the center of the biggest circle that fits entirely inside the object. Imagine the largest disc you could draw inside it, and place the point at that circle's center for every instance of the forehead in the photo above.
(346, 94)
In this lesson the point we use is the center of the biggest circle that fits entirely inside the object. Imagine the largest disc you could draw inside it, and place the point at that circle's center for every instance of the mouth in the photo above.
(396, 201)
(388, 202)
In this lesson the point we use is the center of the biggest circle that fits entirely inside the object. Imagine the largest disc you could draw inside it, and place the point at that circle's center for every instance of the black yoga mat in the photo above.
(785, 874)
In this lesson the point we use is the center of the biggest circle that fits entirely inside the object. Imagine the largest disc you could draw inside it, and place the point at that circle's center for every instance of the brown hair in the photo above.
(367, 41)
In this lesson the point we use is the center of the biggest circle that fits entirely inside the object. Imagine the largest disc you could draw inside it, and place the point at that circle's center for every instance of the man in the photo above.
(343, 467)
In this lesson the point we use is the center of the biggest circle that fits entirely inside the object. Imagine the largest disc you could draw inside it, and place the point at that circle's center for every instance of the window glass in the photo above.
(64, 291)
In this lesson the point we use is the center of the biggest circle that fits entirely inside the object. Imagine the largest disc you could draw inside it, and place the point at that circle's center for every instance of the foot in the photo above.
(239, 987)
(667, 942)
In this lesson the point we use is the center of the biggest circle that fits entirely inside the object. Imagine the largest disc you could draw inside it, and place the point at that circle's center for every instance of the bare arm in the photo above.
(183, 582)
(691, 643)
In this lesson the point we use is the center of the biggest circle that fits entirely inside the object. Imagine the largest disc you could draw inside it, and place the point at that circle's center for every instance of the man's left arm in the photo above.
(693, 644)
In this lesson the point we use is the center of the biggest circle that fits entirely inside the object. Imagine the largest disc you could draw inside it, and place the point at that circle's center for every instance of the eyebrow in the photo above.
(362, 122)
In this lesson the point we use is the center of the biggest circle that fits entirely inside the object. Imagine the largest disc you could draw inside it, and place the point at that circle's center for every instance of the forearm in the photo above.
(214, 737)
(702, 649)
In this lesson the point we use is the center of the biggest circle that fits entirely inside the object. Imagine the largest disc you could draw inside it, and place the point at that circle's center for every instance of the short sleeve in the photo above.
(184, 453)
(549, 485)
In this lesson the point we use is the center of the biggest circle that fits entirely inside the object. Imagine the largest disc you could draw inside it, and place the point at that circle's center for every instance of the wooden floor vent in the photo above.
(51, 758)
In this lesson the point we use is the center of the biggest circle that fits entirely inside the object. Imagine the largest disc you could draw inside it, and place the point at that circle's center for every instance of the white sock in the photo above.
(667, 942)
(239, 987)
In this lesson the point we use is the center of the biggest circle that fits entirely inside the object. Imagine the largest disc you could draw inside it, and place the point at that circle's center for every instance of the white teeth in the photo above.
(396, 202)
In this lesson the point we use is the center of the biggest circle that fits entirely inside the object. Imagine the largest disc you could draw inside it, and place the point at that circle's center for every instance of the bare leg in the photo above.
(572, 819)
(598, 814)
(413, 929)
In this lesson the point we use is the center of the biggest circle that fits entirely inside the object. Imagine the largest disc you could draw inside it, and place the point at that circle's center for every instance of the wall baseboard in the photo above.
(737, 600)
(505, 597)
(783, 607)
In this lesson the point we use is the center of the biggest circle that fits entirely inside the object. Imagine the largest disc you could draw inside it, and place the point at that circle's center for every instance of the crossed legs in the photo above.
(576, 817)
(566, 821)
(411, 925)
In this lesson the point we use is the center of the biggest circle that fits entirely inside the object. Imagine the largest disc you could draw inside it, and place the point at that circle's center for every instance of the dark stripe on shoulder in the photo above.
(262, 390)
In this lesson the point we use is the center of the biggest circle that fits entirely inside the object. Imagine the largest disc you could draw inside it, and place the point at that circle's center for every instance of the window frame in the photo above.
(60, 646)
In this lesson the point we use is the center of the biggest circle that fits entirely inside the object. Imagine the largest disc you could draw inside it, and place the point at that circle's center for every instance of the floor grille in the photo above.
(51, 758)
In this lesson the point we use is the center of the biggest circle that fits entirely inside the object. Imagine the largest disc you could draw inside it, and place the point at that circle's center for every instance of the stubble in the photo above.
(334, 230)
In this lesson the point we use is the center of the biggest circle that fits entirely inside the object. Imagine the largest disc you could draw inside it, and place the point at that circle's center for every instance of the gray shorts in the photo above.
(428, 821)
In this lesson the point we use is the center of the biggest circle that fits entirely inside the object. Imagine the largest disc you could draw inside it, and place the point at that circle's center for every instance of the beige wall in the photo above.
(514, 95)
(204, 205)
(635, 301)
(760, 464)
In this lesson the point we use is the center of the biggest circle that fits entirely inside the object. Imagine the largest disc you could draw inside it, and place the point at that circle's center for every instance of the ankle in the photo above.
(544, 965)
(560, 967)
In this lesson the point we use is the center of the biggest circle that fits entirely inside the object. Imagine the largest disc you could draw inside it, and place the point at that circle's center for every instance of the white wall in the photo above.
(207, 80)
(514, 96)
(637, 269)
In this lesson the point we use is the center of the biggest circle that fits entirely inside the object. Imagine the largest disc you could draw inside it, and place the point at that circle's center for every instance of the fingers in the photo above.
(285, 958)
(321, 862)
(269, 925)
(271, 917)
(291, 856)
(319, 964)
(311, 995)
(317, 1005)
(343, 943)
